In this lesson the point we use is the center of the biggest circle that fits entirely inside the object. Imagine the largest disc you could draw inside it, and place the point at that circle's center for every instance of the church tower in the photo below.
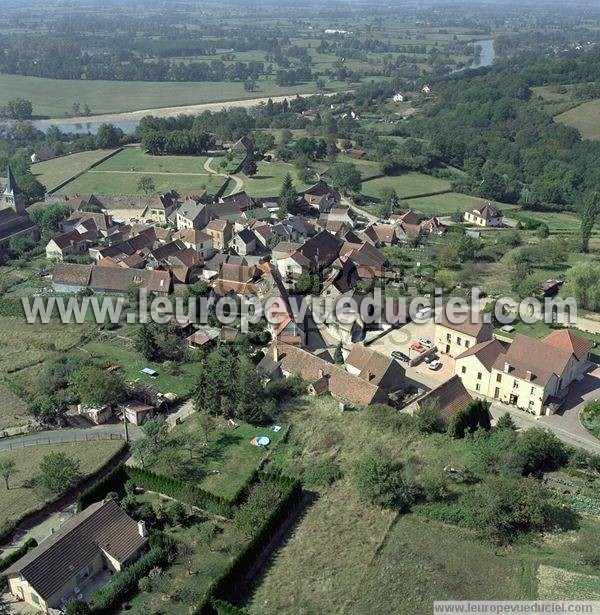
(13, 196)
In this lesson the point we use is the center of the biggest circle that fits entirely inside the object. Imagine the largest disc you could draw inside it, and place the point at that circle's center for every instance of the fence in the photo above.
(9, 446)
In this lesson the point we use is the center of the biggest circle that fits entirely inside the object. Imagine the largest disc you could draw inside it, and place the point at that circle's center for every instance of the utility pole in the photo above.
(125, 425)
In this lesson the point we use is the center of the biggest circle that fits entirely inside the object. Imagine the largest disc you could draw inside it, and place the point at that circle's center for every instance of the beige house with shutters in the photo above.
(531, 374)
(454, 338)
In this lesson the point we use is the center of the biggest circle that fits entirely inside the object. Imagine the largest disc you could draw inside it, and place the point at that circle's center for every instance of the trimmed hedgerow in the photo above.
(107, 599)
(226, 584)
(224, 608)
(180, 490)
(113, 481)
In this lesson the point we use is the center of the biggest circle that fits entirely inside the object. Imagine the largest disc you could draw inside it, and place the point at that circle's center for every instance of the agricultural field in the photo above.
(54, 97)
(230, 457)
(121, 173)
(585, 118)
(24, 495)
(53, 172)
(405, 185)
(447, 203)
(13, 410)
(559, 223)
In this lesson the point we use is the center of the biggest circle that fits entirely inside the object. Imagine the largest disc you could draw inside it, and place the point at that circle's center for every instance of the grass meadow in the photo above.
(585, 118)
(23, 495)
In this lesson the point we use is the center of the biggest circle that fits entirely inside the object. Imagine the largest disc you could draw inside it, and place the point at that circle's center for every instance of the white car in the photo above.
(425, 341)
(435, 365)
(424, 313)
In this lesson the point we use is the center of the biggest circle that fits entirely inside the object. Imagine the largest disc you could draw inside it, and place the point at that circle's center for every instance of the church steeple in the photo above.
(13, 196)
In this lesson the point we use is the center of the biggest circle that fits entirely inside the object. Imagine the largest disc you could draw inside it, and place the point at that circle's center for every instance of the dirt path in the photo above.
(239, 183)
(149, 173)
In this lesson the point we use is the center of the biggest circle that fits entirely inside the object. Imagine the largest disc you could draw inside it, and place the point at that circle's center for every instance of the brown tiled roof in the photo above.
(218, 225)
(567, 340)
(472, 323)
(533, 360)
(410, 217)
(341, 384)
(72, 273)
(450, 397)
(71, 238)
(112, 279)
(486, 211)
(486, 352)
(102, 526)
(376, 368)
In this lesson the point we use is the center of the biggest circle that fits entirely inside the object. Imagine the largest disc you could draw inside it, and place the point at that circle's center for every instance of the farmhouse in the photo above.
(86, 550)
(484, 214)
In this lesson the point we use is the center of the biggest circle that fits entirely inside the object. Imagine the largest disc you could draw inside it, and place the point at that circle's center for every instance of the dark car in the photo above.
(400, 356)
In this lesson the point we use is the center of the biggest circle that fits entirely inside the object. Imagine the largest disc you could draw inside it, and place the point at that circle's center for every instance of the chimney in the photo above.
(529, 375)
(142, 529)
(321, 373)
(506, 367)
(275, 353)
(369, 375)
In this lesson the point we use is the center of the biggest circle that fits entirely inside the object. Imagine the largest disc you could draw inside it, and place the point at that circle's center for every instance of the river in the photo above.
(128, 122)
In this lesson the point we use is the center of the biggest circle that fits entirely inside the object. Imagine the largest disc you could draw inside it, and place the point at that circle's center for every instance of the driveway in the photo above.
(567, 418)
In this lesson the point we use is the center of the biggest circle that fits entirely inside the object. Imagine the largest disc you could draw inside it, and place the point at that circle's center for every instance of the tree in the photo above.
(338, 356)
(346, 177)
(108, 136)
(475, 415)
(583, 283)
(206, 425)
(78, 607)
(58, 472)
(540, 451)
(97, 387)
(146, 184)
(251, 403)
(7, 469)
(389, 200)
(589, 214)
(250, 167)
(506, 422)
(145, 343)
(380, 481)
(18, 109)
(428, 417)
(287, 197)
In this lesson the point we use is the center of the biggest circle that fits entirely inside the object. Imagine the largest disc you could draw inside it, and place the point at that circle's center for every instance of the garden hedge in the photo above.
(226, 584)
(11, 558)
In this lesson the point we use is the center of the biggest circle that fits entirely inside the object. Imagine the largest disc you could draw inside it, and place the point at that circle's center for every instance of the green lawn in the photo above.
(55, 171)
(448, 203)
(13, 410)
(585, 118)
(567, 223)
(230, 457)
(268, 180)
(55, 97)
(121, 173)
(23, 495)
(405, 185)
(178, 379)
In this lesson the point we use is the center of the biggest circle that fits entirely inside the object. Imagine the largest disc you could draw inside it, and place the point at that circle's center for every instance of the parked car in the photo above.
(435, 365)
(425, 341)
(424, 313)
(418, 348)
(400, 356)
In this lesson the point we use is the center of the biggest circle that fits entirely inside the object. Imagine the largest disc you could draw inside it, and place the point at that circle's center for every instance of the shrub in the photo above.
(540, 451)
(322, 474)
(107, 599)
(78, 607)
(113, 481)
(380, 481)
(475, 415)
(428, 418)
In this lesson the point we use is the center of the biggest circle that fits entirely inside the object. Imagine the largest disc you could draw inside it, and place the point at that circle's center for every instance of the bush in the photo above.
(107, 599)
(428, 418)
(11, 558)
(380, 481)
(113, 481)
(78, 607)
(540, 451)
(475, 415)
(322, 474)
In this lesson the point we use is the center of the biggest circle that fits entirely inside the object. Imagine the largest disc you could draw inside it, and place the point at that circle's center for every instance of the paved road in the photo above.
(239, 184)
(75, 434)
